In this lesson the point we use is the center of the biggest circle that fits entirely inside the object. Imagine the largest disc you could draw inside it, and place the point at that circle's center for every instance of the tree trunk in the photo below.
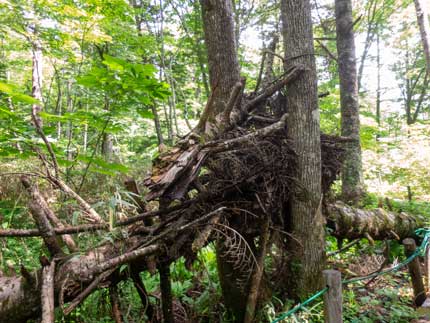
(69, 129)
(107, 143)
(37, 77)
(350, 223)
(270, 57)
(222, 58)
(378, 76)
(223, 76)
(352, 186)
(306, 223)
(423, 23)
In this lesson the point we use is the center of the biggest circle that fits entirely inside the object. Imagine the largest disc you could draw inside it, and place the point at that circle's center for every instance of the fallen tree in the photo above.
(247, 182)
(351, 223)
(230, 181)
(77, 276)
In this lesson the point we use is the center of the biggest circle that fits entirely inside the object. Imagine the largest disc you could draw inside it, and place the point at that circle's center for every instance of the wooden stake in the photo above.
(333, 298)
(415, 272)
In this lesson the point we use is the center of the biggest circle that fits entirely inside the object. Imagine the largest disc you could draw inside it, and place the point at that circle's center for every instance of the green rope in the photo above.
(301, 305)
(420, 251)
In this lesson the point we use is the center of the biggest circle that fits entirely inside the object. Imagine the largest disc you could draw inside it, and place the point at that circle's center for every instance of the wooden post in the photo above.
(333, 298)
(427, 263)
(415, 272)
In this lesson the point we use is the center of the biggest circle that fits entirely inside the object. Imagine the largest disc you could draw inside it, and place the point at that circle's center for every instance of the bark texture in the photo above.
(352, 187)
(36, 79)
(379, 224)
(222, 55)
(306, 221)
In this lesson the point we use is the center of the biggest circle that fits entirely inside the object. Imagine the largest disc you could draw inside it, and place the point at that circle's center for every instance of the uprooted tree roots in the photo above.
(231, 186)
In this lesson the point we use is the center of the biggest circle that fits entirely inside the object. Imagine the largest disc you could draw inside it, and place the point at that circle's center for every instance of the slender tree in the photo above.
(306, 221)
(352, 187)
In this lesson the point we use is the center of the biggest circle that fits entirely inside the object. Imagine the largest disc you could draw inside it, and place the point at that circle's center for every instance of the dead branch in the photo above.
(225, 120)
(125, 258)
(47, 293)
(204, 235)
(258, 274)
(268, 92)
(224, 145)
(67, 239)
(87, 291)
(328, 51)
(201, 125)
(36, 209)
(90, 212)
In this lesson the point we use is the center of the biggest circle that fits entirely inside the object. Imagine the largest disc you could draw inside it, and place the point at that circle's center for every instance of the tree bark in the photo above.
(305, 222)
(224, 77)
(222, 57)
(352, 186)
(378, 77)
(423, 23)
(347, 222)
(37, 78)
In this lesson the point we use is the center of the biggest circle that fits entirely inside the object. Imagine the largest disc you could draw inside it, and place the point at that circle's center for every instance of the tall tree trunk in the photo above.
(138, 20)
(378, 89)
(37, 77)
(423, 23)
(223, 76)
(69, 129)
(270, 57)
(58, 104)
(352, 187)
(107, 144)
(306, 223)
(201, 56)
(157, 125)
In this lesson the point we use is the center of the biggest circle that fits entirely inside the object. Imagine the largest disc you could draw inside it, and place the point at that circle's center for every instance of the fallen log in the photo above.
(378, 224)
(20, 297)
(77, 275)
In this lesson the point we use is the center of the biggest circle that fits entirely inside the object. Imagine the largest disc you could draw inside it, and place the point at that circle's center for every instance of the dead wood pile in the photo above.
(226, 185)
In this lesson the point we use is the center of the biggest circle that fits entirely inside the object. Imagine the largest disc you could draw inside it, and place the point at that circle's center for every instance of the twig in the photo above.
(345, 247)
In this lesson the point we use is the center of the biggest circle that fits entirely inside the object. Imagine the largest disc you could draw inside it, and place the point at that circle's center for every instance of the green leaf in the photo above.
(114, 63)
(146, 114)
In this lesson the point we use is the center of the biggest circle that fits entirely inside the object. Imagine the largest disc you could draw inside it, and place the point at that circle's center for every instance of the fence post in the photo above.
(333, 298)
(415, 272)
(427, 266)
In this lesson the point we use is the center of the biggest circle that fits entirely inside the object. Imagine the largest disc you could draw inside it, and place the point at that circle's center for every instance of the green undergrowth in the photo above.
(414, 207)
